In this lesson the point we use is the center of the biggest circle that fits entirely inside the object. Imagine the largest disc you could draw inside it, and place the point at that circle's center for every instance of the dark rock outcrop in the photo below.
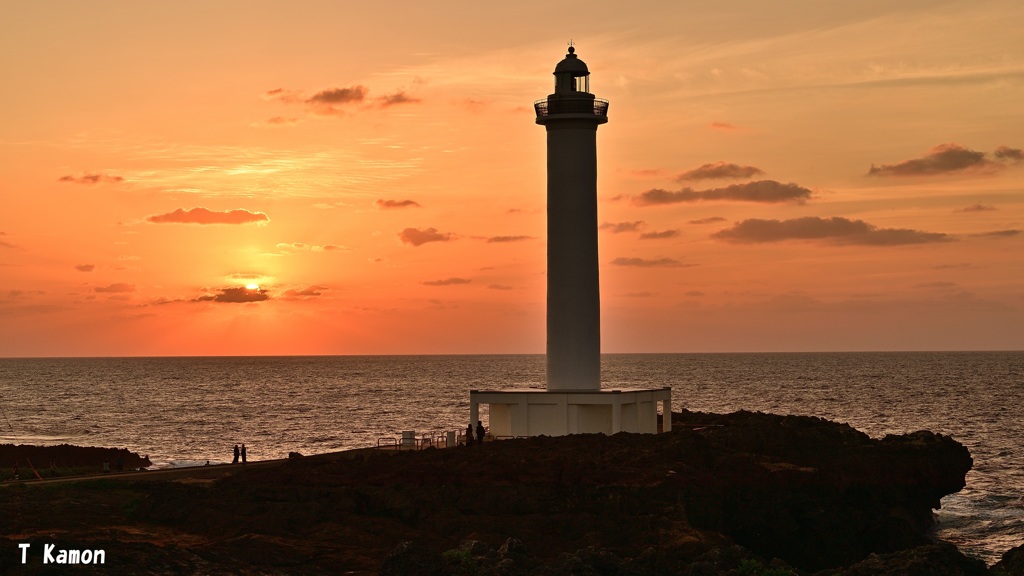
(815, 493)
(66, 456)
(939, 559)
(1011, 564)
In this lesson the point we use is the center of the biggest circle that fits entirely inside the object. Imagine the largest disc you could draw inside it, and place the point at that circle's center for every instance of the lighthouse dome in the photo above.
(571, 63)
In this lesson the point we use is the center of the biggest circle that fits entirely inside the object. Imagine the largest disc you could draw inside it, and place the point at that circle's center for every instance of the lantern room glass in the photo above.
(568, 83)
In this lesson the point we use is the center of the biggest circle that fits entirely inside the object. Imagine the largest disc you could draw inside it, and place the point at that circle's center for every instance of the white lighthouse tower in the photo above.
(571, 116)
(573, 400)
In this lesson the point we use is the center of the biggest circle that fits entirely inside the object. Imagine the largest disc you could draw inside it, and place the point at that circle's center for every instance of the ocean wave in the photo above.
(39, 439)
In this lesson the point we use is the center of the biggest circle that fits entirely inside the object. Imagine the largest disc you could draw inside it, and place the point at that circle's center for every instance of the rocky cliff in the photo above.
(812, 493)
(743, 493)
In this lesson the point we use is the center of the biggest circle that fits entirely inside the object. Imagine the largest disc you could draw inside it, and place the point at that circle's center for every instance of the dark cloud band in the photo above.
(236, 295)
(762, 191)
(949, 159)
(205, 216)
(649, 263)
(719, 170)
(447, 282)
(620, 227)
(390, 204)
(91, 179)
(835, 230)
(418, 237)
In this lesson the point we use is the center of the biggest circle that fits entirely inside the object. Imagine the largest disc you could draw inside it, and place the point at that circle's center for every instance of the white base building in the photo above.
(537, 411)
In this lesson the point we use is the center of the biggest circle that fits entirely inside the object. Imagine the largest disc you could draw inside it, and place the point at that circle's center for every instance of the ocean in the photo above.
(185, 411)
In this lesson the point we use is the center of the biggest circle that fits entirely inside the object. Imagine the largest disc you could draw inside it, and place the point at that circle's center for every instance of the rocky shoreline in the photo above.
(743, 493)
(64, 459)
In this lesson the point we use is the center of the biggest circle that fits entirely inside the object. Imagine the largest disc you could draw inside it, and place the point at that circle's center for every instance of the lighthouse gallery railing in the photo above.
(548, 106)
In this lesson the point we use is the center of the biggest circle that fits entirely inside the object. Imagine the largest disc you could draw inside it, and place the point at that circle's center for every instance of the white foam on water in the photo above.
(37, 439)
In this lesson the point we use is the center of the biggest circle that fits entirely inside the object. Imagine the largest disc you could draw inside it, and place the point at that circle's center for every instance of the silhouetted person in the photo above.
(243, 453)
(53, 468)
(106, 466)
(469, 435)
(235, 461)
(480, 431)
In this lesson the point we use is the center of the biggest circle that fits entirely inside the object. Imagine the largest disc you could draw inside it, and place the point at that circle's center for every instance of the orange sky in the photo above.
(793, 175)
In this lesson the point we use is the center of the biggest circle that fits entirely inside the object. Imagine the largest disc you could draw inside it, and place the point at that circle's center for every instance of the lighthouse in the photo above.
(572, 401)
(571, 115)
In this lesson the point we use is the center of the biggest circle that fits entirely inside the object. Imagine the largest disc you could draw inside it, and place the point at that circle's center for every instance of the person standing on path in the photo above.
(480, 431)
(235, 461)
(243, 453)
(469, 435)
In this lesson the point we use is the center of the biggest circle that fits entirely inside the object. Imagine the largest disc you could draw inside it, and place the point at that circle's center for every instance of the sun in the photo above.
(252, 286)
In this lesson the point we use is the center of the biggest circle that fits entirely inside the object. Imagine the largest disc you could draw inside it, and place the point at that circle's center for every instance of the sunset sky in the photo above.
(315, 177)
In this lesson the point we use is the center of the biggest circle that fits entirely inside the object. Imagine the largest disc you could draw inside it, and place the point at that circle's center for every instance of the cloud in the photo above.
(85, 267)
(499, 287)
(25, 293)
(765, 191)
(836, 230)
(659, 235)
(245, 276)
(399, 97)
(309, 292)
(475, 104)
(204, 216)
(325, 102)
(310, 247)
(91, 178)
(999, 234)
(638, 294)
(943, 159)
(718, 170)
(282, 121)
(118, 288)
(418, 237)
(976, 208)
(333, 101)
(4, 243)
(283, 95)
(447, 282)
(1007, 153)
(339, 95)
(503, 239)
(938, 285)
(235, 295)
(655, 263)
(644, 172)
(388, 204)
(619, 227)
(710, 220)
